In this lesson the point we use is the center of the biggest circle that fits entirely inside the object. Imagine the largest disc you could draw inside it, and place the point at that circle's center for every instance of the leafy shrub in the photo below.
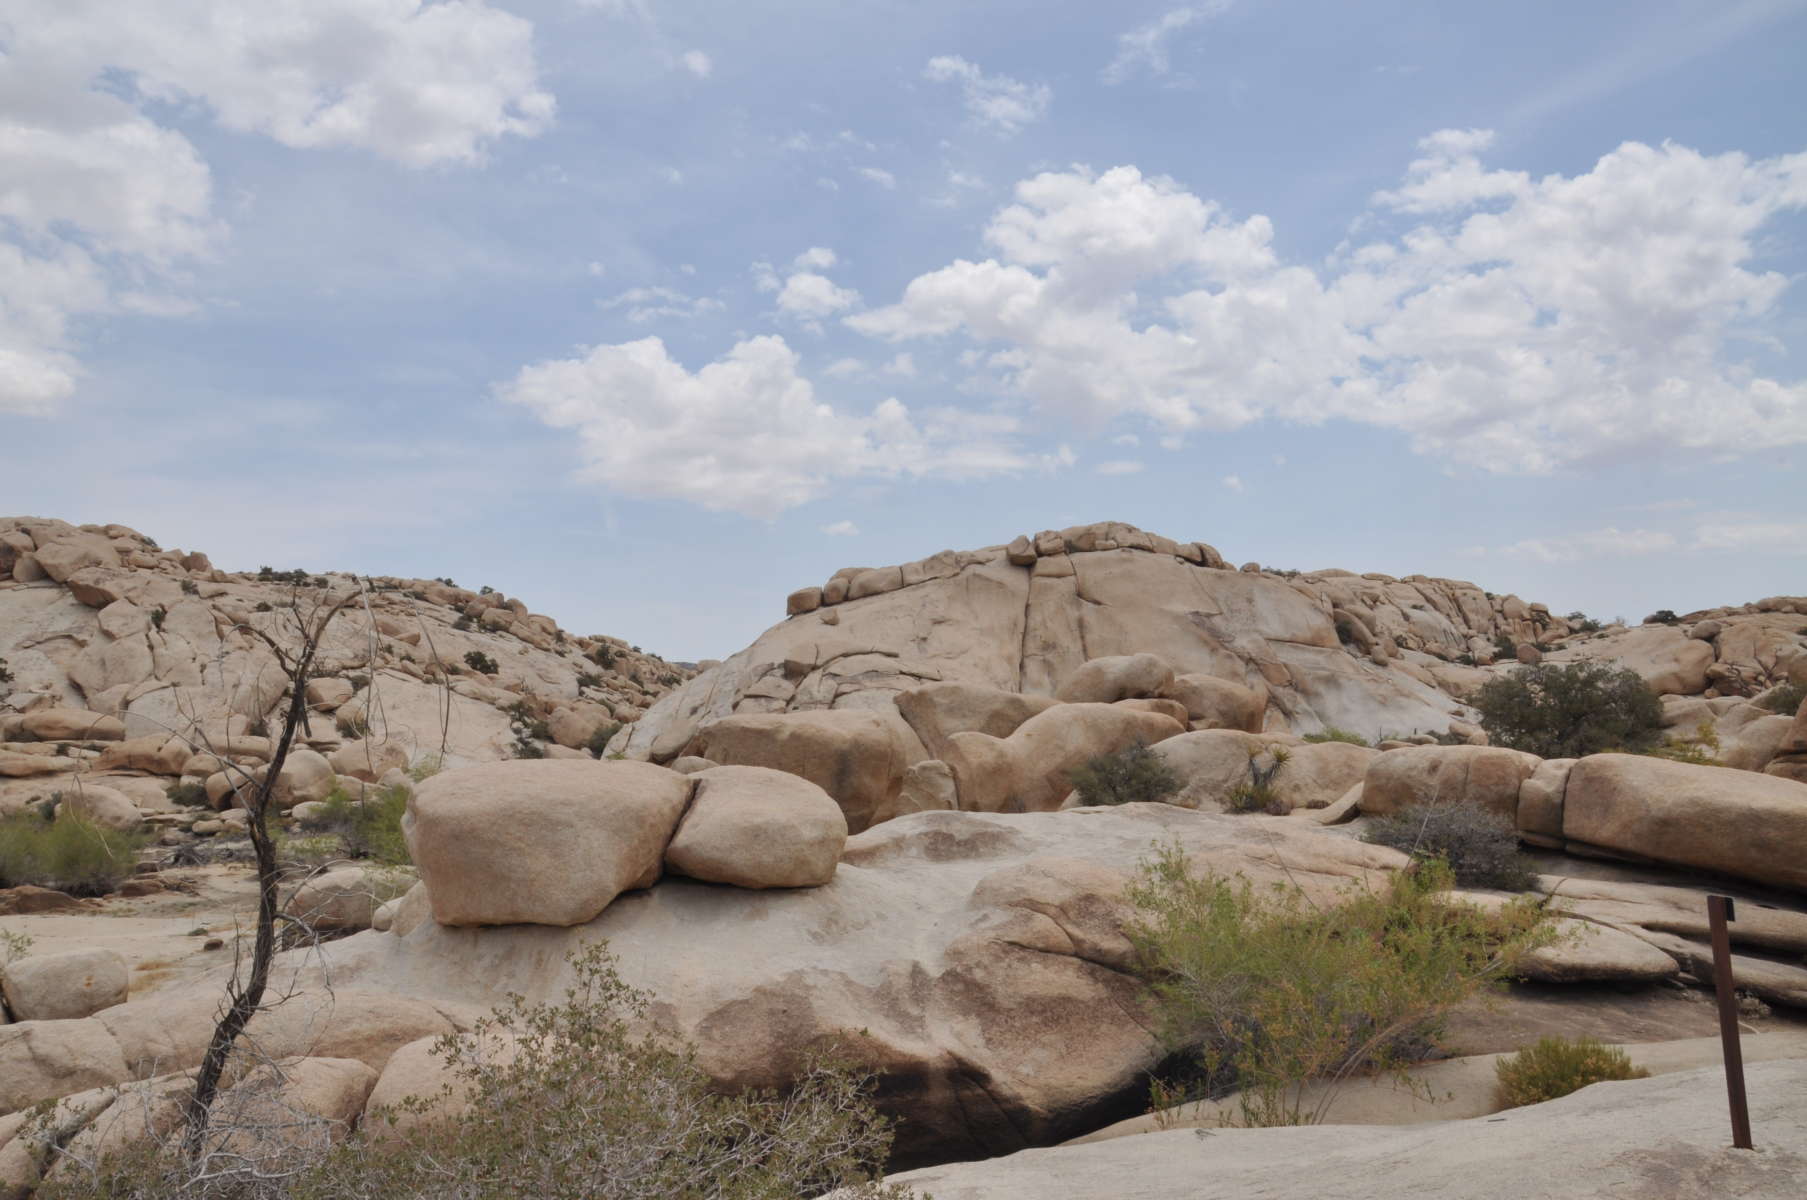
(1701, 747)
(462, 624)
(6, 676)
(1785, 699)
(1662, 616)
(263, 606)
(598, 744)
(1557, 1066)
(604, 656)
(1571, 710)
(1133, 774)
(476, 660)
(1503, 646)
(1479, 846)
(1258, 795)
(70, 855)
(188, 795)
(588, 679)
(190, 588)
(585, 1106)
(157, 615)
(1262, 994)
(370, 830)
(529, 731)
(1330, 733)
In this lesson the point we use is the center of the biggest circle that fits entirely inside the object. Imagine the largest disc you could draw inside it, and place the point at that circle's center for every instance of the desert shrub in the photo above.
(476, 660)
(6, 676)
(70, 855)
(369, 830)
(425, 767)
(598, 744)
(1131, 775)
(1330, 733)
(1701, 747)
(462, 624)
(588, 679)
(1571, 710)
(530, 732)
(157, 616)
(586, 1107)
(1262, 993)
(1479, 846)
(264, 606)
(1662, 616)
(1257, 793)
(1504, 646)
(603, 656)
(1557, 1066)
(1785, 699)
(188, 795)
(13, 945)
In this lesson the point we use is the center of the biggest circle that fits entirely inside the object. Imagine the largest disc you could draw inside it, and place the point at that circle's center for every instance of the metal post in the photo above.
(1720, 910)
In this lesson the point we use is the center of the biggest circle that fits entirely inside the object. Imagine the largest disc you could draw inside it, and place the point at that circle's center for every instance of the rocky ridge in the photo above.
(129, 668)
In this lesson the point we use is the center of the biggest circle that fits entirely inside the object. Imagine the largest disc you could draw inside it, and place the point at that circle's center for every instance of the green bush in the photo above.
(1662, 616)
(1568, 711)
(1479, 846)
(598, 745)
(70, 855)
(1557, 1066)
(584, 1107)
(1504, 647)
(476, 660)
(370, 830)
(1134, 774)
(1257, 794)
(188, 795)
(1785, 699)
(1330, 733)
(1261, 994)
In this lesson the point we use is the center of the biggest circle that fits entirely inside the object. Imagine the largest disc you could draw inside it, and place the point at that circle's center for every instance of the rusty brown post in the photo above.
(1720, 910)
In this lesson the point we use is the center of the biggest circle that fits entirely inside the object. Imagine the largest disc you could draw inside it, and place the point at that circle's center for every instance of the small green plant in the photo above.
(1466, 660)
(1504, 647)
(598, 745)
(603, 656)
(1330, 733)
(1556, 1066)
(530, 732)
(157, 615)
(188, 795)
(588, 679)
(1257, 794)
(370, 829)
(476, 660)
(425, 767)
(71, 855)
(1570, 710)
(1700, 748)
(6, 676)
(1264, 993)
(263, 606)
(486, 590)
(1662, 616)
(1133, 775)
(1480, 847)
(1785, 699)
(190, 588)
(463, 624)
(13, 945)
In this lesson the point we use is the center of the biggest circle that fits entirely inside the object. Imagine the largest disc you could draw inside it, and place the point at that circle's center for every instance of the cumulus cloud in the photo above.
(1505, 322)
(1144, 49)
(103, 209)
(841, 529)
(995, 102)
(746, 433)
(804, 292)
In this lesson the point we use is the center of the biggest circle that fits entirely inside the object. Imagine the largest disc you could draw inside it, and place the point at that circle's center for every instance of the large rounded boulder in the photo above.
(542, 841)
(755, 827)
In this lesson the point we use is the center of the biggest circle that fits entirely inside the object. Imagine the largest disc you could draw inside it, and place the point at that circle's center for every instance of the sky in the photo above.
(649, 312)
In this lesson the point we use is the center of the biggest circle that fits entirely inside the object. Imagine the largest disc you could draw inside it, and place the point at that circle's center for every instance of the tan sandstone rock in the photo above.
(1029, 770)
(754, 827)
(1486, 776)
(1116, 677)
(59, 987)
(540, 842)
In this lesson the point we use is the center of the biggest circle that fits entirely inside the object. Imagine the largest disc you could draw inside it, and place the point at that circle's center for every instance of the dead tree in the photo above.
(245, 995)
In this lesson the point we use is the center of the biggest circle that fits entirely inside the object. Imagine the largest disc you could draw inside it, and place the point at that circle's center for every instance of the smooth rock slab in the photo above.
(59, 987)
(754, 827)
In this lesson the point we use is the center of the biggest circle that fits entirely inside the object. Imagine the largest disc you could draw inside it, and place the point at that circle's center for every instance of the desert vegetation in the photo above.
(1479, 847)
(1133, 774)
(1570, 710)
(1556, 1066)
(70, 854)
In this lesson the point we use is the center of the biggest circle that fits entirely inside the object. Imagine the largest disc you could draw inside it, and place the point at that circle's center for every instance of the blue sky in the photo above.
(649, 312)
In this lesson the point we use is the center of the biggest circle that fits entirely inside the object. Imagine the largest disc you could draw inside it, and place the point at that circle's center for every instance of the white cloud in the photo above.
(816, 258)
(697, 63)
(746, 433)
(879, 176)
(1233, 482)
(1118, 466)
(996, 102)
(1144, 48)
(841, 529)
(661, 303)
(1513, 324)
(1610, 542)
(811, 296)
(1785, 537)
(1127, 439)
(845, 368)
(903, 366)
(103, 209)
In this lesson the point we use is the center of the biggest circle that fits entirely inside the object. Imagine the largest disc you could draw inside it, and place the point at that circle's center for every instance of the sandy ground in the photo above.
(162, 936)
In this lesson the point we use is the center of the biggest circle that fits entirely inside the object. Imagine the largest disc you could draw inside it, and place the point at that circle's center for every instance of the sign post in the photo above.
(1720, 910)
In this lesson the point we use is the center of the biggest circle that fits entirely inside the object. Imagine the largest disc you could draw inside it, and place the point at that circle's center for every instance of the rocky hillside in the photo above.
(110, 645)
(1368, 653)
